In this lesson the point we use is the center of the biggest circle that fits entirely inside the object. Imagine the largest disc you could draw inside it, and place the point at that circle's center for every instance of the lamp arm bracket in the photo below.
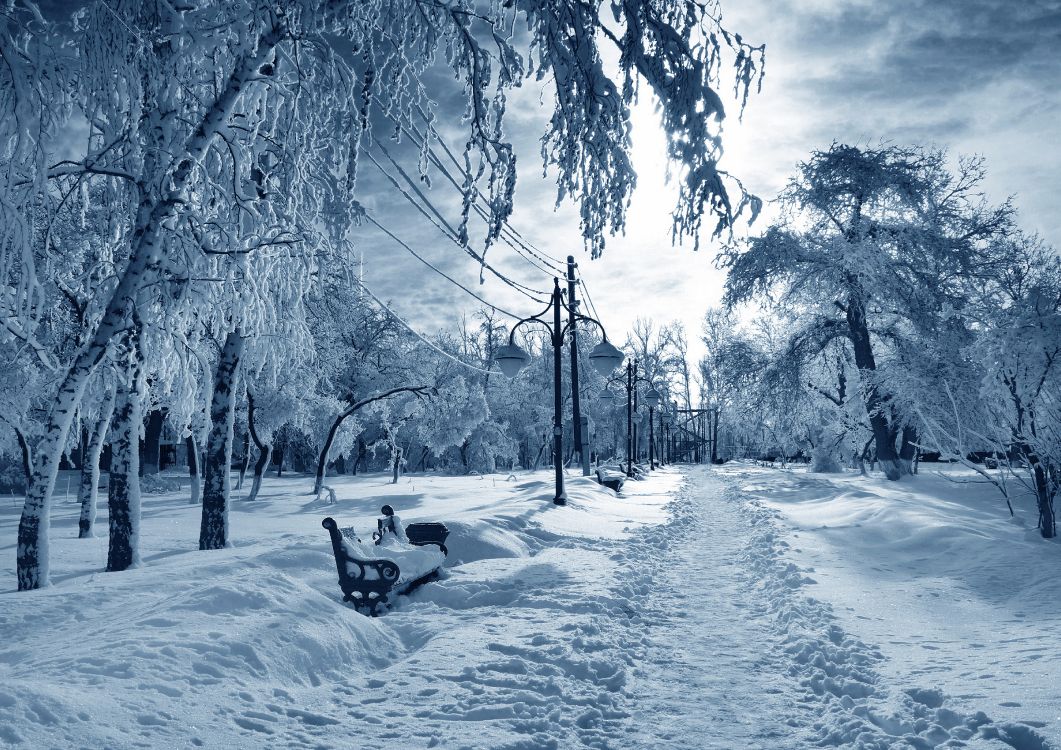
(532, 319)
(576, 317)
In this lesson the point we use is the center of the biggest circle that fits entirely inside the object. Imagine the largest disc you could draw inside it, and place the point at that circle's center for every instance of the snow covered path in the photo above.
(707, 678)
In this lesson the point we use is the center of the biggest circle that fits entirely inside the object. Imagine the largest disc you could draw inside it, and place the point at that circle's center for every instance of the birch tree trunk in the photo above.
(213, 532)
(908, 450)
(27, 457)
(244, 460)
(123, 494)
(191, 446)
(146, 246)
(396, 459)
(88, 489)
(265, 450)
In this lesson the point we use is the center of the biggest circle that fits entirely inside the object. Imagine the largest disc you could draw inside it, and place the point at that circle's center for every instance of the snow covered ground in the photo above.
(683, 614)
(957, 596)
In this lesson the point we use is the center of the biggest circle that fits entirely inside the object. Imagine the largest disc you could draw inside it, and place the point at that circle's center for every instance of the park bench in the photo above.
(428, 533)
(370, 574)
(611, 477)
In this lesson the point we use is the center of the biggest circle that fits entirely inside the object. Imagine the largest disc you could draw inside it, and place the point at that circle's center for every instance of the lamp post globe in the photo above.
(605, 358)
(511, 359)
(652, 398)
(606, 395)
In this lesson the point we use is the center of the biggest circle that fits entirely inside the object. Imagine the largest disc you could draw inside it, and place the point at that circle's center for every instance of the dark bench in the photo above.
(428, 533)
(611, 478)
(368, 582)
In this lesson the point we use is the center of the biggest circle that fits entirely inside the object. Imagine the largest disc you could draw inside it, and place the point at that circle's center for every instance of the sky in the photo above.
(970, 76)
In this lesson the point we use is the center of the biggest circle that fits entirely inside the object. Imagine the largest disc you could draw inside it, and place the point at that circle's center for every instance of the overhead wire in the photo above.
(506, 232)
(537, 258)
(544, 256)
(434, 216)
(401, 243)
(509, 233)
(589, 298)
(419, 335)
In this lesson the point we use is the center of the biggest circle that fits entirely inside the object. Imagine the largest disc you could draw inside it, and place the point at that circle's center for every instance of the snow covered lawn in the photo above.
(736, 607)
(251, 646)
(957, 596)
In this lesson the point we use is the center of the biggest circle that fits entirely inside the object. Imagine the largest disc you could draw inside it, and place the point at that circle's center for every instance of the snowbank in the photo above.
(251, 646)
(959, 599)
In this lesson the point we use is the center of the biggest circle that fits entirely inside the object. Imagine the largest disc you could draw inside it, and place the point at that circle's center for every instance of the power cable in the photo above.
(589, 298)
(443, 226)
(508, 233)
(557, 264)
(419, 335)
(434, 268)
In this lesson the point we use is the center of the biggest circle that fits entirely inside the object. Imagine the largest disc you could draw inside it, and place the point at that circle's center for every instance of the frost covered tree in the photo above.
(230, 128)
(123, 494)
(95, 435)
(363, 355)
(804, 389)
(729, 367)
(1022, 358)
(872, 246)
(350, 410)
(1003, 395)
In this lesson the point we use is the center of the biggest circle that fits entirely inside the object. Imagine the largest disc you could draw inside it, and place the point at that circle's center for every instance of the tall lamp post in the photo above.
(511, 359)
(651, 398)
(666, 439)
(660, 456)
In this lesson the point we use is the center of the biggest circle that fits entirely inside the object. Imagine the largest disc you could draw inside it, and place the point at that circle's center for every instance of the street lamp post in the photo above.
(651, 398)
(511, 359)
(630, 383)
(665, 435)
(660, 458)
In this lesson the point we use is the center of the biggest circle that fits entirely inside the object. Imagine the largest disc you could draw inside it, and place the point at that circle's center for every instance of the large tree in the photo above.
(872, 247)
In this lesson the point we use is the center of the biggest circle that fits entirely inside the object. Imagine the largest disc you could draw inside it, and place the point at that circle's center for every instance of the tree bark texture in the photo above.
(265, 450)
(88, 488)
(152, 463)
(264, 454)
(245, 459)
(27, 456)
(396, 461)
(191, 447)
(213, 532)
(1043, 498)
(883, 436)
(908, 450)
(123, 493)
